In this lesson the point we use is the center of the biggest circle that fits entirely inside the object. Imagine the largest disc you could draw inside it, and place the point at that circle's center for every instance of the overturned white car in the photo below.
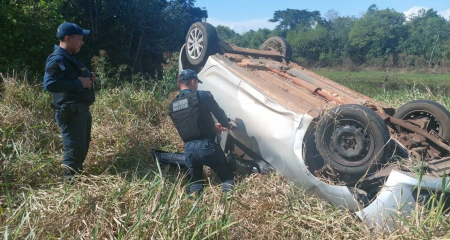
(326, 138)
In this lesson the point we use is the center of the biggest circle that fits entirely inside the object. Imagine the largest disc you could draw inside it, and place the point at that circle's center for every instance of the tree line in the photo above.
(137, 36)
(379, 38)
(132, 35)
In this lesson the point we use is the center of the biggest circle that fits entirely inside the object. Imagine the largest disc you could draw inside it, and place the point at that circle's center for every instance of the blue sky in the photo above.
(244, 15)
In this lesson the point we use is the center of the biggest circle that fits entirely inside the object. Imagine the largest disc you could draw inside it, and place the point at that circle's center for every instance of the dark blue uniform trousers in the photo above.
(76, 135)
(206, 152)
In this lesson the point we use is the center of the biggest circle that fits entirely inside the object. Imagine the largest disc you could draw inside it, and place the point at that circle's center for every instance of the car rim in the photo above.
(350, 143)
(424, 120)
(195, 43)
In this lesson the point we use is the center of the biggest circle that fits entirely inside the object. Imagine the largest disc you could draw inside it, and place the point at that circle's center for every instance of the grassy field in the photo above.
(125, 194)
(373, 83)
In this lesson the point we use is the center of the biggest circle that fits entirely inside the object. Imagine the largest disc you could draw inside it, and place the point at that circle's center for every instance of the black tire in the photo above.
(201, 42)
(353, 139)
(436, 116)
(280, 44)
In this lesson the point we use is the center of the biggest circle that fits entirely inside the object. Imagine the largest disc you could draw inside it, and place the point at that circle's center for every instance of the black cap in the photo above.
(67, 28)
(188, 74)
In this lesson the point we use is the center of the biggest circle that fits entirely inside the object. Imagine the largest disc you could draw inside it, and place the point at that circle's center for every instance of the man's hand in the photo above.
(219, 128)
(87, 83)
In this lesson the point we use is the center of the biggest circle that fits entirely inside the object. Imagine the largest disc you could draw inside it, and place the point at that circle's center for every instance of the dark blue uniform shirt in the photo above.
(62, 71)
(207, 100)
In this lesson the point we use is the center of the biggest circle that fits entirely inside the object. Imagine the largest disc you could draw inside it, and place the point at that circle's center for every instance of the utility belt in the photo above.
(65, 110)
(71, 107)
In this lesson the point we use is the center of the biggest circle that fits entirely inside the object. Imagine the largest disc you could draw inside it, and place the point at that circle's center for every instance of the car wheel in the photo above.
(201, 42)
(352, 139)
(426, 114)
(279, 44)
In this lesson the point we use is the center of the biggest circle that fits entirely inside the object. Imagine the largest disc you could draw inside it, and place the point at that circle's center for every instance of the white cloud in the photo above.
(243, 26)
(445, 14)
(414, 10)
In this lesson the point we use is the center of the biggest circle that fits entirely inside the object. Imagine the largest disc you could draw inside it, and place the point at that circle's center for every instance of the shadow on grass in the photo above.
(134, 162)
(138, 162)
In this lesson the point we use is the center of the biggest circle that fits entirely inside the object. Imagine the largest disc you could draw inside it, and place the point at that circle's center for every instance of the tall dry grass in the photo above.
(125, 194)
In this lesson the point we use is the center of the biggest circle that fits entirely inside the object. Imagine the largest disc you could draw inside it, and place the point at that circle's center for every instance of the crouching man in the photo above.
(191, 113)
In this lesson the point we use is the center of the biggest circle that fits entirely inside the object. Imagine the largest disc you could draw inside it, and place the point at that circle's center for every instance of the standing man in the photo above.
(191, 113)
(70, 82)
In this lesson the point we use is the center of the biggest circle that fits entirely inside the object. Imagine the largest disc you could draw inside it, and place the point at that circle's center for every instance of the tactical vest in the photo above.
(85, 97)
(192, 120)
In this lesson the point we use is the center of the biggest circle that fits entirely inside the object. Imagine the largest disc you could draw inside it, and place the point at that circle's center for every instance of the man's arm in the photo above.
(54, 78)
(211, 104)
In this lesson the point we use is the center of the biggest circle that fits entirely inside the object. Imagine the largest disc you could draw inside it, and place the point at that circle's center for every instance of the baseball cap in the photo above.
(188, 74)
(68, 28)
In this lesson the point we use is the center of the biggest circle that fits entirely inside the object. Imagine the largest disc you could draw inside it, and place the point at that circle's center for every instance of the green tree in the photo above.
(134, 33)
(339, 31)
(26, 31)
(377, 35)
(428, 37)
(254, 39)
(227, 34)
(311, 45)
(289, 19)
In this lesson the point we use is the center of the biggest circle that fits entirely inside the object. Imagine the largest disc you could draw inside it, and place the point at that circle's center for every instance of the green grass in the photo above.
(373, 83)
